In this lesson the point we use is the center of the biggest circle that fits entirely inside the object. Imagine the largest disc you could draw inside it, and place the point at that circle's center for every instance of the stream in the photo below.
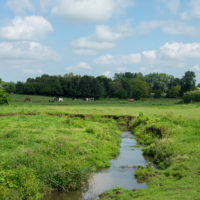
(120, 174)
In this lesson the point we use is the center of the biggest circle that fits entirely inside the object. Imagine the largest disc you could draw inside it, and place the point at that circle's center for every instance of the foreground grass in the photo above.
(41, 153)
(174, 145)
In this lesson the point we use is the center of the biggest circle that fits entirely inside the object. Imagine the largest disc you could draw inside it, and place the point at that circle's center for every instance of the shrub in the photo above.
(174, 92)
(191, 96)
(161, 152)
(4, 97)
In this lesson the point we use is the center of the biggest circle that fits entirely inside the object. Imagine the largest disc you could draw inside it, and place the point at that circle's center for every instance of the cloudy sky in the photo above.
(98, 37)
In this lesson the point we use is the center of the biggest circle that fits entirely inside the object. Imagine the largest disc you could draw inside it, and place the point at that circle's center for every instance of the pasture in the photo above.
(41, 104)
(40, 152)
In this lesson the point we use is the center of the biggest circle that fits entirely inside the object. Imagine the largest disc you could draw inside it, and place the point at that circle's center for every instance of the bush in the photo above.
(158, 94)
(4, 97)
(191, 96)
(174, 92)
(161, 152)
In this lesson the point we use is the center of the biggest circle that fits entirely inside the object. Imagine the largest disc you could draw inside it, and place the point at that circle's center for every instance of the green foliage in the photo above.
(123, 85)
(9, 87)
(158, 93)
(138, 89)
(174, 92)
(161, 152)
(154, 134)
(4, 97)
(192, 96)
(159, 82)
(188, 82)
(42, 153)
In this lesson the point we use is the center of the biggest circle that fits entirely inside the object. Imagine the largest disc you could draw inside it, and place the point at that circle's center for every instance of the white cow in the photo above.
(60, 100)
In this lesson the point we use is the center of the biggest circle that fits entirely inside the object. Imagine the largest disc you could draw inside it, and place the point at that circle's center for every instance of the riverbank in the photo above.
(119, 174)
(43, 153)
(174, 145)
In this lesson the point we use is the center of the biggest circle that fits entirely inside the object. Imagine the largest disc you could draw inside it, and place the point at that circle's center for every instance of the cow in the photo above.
(27, 99)
(89, 99)
(131, 100)
(56, 99)
(60, 99)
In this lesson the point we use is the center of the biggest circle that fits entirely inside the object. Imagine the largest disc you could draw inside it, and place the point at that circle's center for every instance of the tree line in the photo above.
(122, 85)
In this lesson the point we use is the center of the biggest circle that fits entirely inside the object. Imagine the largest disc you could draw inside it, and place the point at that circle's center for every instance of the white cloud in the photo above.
(32, 71)
(172, 5)
(89, 43)
(26, 52)
(107, 74)
(193, 11)
(79, 67)
(20, 6)
(85, 52)
(118, 60)
(26, 28)
(170, 27)
(88, 10)
(149, 54)
(45, 4)
(104, 37)
(196, 68)
(180, 51)
(172, 54)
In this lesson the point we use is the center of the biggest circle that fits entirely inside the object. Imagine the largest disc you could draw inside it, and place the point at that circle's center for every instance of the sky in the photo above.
(98, 37)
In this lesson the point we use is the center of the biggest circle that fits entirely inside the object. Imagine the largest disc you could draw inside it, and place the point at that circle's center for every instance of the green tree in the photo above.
(9, 87)
(188, 82)
(138, 88)
(20, 88)
(159, 83)
(119, 91)
(174, 92)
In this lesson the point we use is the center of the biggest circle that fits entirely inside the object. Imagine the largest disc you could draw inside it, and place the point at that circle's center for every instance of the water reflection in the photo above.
(115, 176)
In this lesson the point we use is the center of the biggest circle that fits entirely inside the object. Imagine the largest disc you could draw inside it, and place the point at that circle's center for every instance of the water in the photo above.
(120, 174)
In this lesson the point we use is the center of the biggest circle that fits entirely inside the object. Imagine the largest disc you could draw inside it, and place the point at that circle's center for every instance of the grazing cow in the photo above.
(56, 99)
(27, 99)
(89, 99)
(131, 100)
(60, 99)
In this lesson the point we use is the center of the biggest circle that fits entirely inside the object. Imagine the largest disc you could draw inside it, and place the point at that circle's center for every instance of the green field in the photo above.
(103, 107)
(39, 152)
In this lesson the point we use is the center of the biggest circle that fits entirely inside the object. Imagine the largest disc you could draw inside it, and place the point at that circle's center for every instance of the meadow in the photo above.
(42, 105)
(40, 152)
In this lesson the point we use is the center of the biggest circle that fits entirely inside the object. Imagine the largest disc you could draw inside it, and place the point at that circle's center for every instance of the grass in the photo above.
(41, 153)
(102, 107)
(59, 153)
(174, 145)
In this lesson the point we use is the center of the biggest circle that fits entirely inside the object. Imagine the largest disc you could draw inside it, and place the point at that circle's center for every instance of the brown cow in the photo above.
(27, 99)
(131, 100)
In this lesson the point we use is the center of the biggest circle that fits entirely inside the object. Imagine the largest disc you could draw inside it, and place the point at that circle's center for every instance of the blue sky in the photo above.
(98, 37)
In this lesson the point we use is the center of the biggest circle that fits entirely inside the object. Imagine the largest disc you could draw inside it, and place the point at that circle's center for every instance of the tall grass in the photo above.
(41, 153)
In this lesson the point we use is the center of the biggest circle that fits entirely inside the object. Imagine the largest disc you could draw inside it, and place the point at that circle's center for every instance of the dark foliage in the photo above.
(123, 85)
